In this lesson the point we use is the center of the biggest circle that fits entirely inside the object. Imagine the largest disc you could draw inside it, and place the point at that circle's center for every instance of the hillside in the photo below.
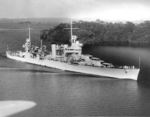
(103, 33)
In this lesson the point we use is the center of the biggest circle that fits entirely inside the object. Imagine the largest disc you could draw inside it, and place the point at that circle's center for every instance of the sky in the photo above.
(107, 10)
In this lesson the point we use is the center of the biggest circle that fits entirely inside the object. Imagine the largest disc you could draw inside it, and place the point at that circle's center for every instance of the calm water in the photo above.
(59, 93)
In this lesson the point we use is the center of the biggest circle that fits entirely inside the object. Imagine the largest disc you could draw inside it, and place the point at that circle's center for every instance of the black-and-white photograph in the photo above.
(74, 58)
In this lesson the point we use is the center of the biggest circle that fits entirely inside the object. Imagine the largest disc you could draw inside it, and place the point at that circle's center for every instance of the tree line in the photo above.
(101, 33)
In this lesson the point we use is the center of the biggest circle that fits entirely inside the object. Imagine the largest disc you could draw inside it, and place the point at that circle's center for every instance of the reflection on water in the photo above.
(59, 93)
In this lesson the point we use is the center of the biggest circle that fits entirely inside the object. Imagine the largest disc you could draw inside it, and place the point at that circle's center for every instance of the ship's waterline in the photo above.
(99, 71)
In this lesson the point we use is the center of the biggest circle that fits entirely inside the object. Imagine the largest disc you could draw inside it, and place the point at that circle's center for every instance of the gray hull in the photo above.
(99, 71)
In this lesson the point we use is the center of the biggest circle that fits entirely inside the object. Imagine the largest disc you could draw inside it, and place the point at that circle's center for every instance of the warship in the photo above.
(70, 58)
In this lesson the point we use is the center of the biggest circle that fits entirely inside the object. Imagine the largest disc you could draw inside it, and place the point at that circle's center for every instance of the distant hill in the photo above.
(35, 20)
(103, 33)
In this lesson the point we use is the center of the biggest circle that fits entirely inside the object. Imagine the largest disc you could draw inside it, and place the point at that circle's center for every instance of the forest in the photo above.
(100, 33)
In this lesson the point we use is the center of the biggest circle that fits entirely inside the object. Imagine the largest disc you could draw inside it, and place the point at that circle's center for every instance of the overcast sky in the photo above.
(110, 10)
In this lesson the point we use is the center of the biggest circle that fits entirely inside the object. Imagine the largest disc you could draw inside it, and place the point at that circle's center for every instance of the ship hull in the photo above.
(92, 70)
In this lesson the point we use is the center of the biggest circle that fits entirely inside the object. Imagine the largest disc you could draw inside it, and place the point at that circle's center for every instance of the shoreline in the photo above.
(118, 44)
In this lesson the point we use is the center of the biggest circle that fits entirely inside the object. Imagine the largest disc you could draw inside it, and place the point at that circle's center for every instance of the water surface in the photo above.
(59, 93)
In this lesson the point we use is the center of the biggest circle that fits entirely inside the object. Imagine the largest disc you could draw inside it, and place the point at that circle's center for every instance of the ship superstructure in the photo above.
(70, 58)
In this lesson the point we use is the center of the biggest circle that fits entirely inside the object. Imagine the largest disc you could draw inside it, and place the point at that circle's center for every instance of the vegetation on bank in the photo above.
(101, 33)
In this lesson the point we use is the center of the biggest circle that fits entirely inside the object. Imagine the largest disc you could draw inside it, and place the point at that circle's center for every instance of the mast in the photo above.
(71, 32)
(27, 44)
(41, 44)
(29, 33)
(72, 38)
